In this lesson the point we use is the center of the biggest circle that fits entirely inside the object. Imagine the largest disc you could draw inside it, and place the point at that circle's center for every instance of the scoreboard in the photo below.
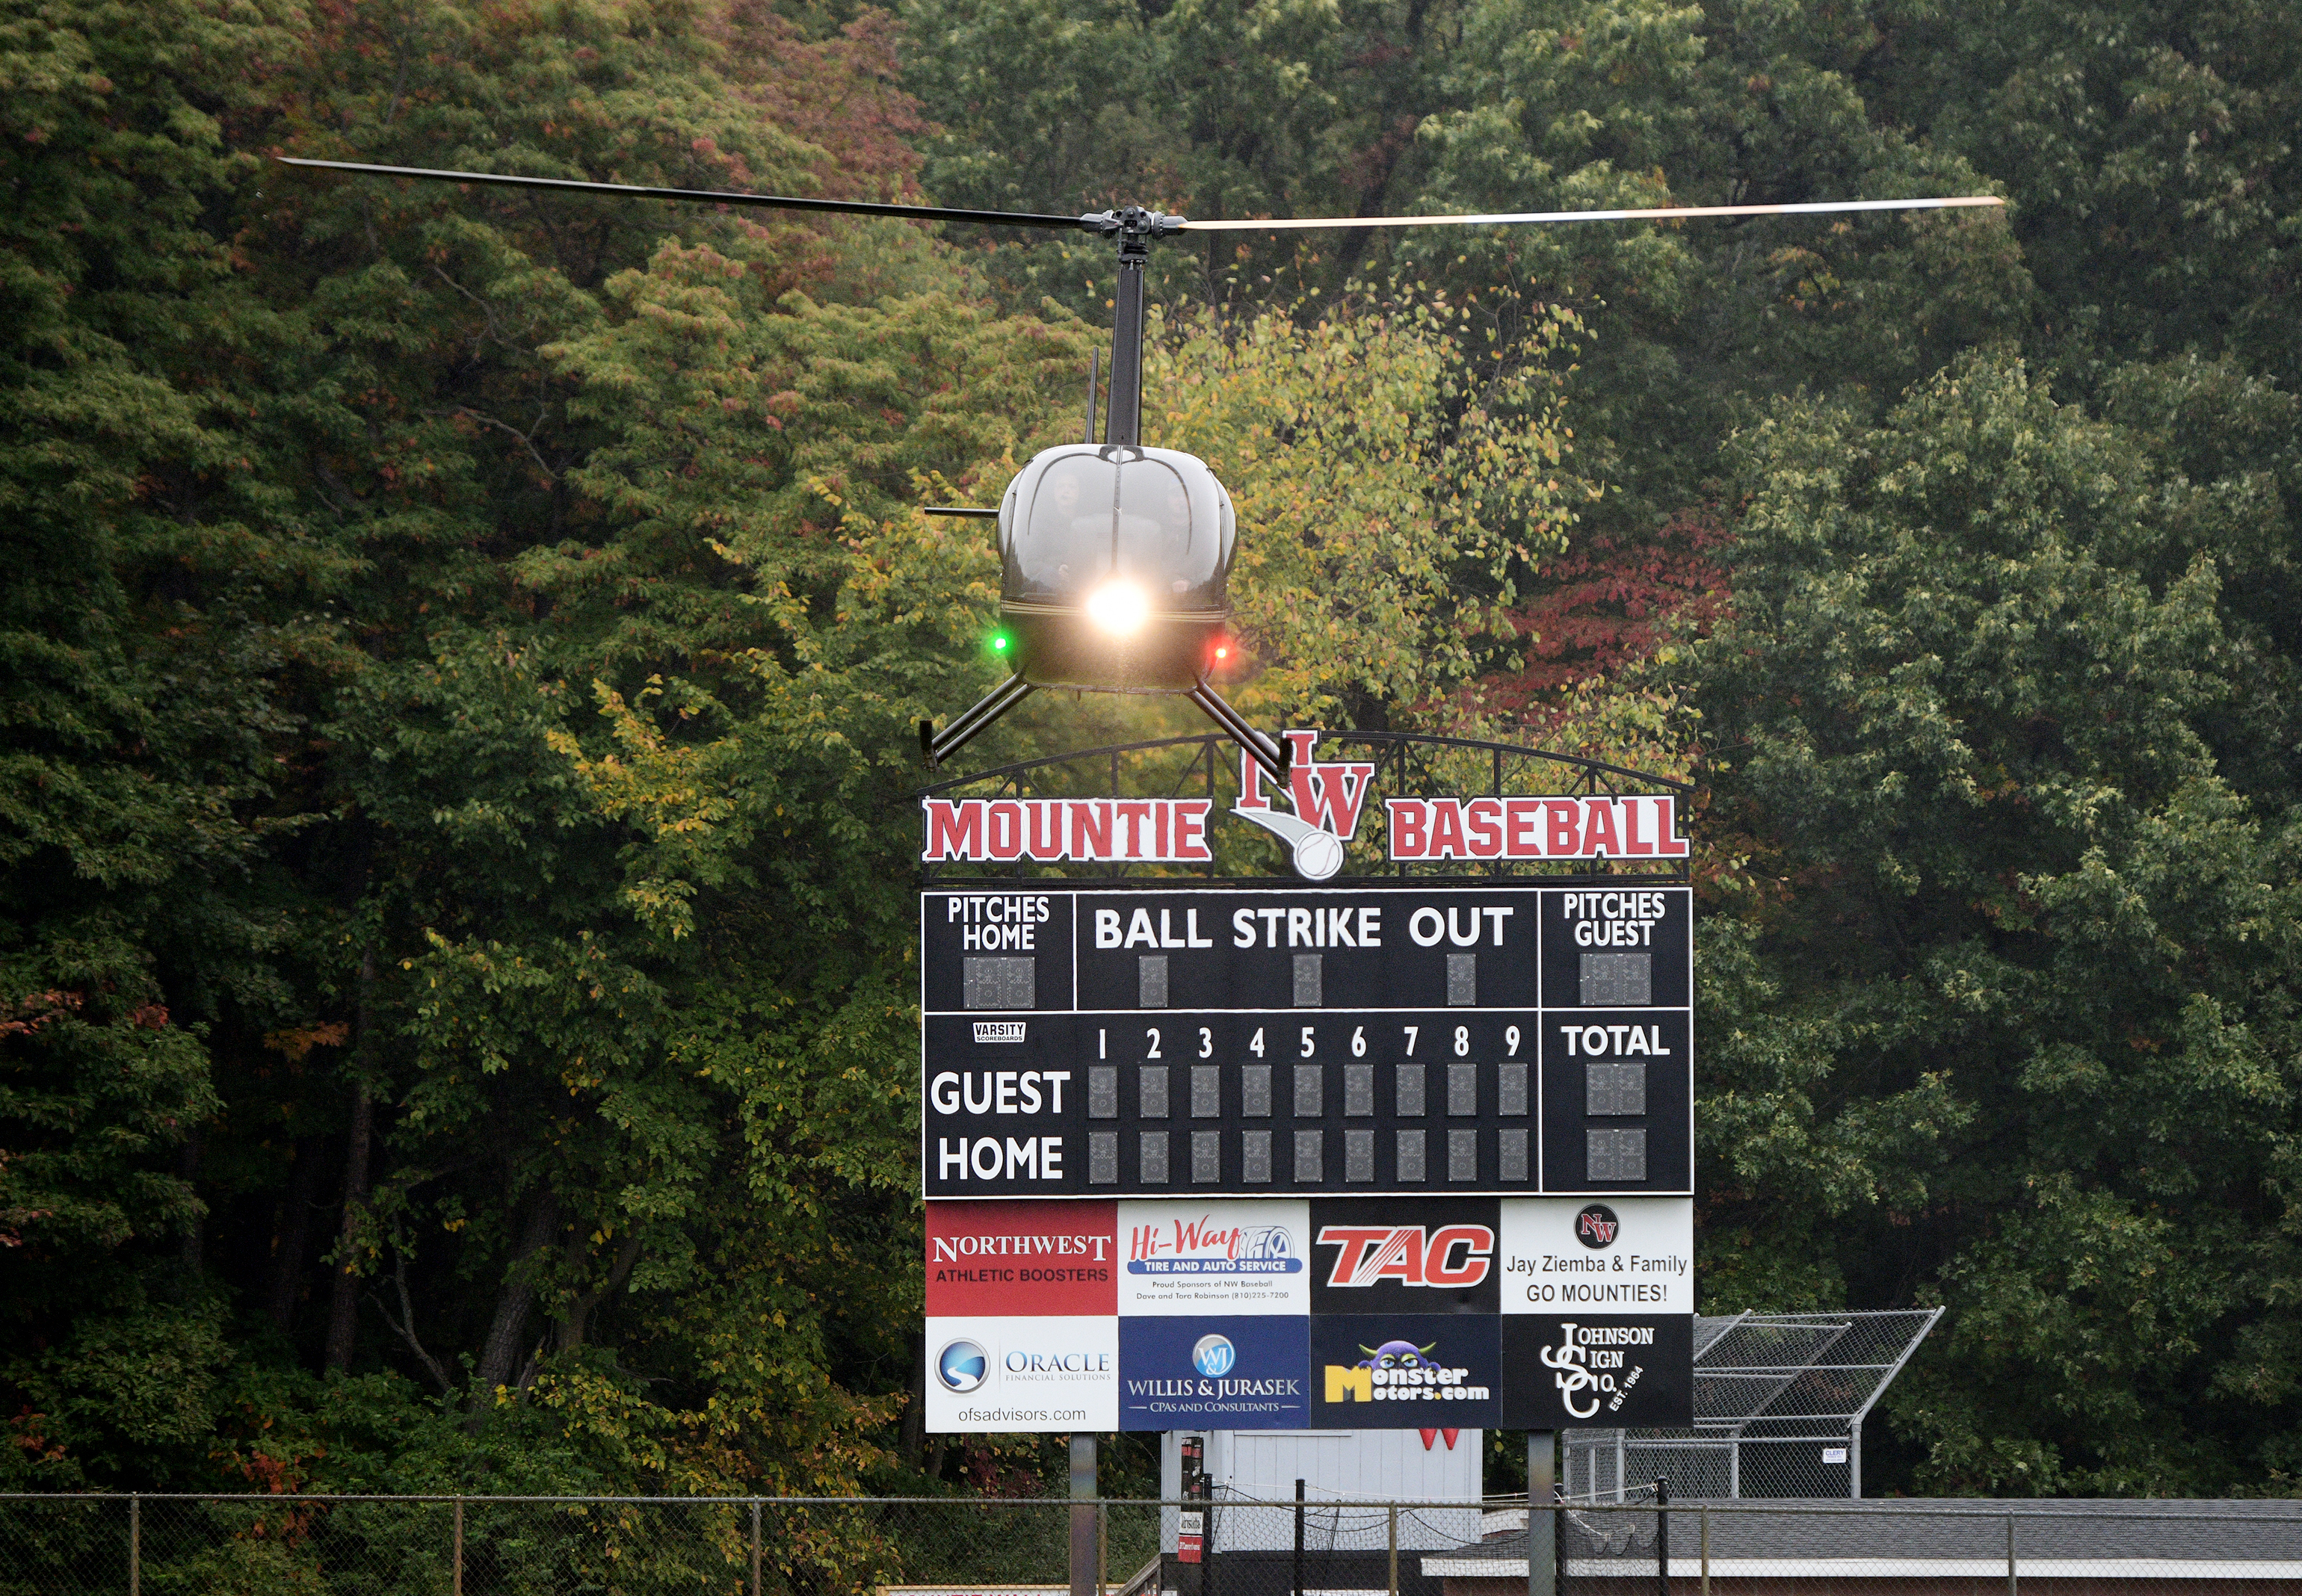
(1511, 1038)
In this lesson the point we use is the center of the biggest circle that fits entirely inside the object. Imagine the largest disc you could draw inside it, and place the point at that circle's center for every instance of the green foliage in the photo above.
(432, 684)
(461, 653)
(2003, 1017)
(1397, 491)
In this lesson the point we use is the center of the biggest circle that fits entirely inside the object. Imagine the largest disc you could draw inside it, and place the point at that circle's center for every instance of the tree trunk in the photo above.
(500, 1353)
(579, 1313)
(913, 1438)
(343, 1307)
(293, 1234)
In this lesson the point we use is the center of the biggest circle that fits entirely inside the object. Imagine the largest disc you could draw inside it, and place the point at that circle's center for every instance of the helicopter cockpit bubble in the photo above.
(1115, 566)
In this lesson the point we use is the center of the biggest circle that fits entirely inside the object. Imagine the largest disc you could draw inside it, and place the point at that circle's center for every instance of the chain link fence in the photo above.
(1779, 1402)
(501, 1546)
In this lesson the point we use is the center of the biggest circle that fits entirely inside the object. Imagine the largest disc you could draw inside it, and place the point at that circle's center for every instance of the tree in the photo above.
(1998, 1015)
(345, 918)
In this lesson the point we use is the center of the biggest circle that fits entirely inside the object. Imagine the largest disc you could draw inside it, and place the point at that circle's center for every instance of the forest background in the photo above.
(460, 653)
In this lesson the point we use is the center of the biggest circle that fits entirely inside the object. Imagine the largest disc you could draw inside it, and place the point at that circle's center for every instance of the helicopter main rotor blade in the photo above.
(777, 202)
(1522, 218)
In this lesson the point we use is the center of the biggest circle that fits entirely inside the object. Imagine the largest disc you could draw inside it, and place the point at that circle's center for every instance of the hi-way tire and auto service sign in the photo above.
(1524, 1313)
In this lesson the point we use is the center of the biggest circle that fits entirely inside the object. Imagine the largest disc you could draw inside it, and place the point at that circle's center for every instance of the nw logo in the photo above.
(1326, 800)
(1597, 1227)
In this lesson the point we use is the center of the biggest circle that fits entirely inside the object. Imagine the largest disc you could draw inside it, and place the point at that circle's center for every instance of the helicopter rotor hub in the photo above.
(1132, 225)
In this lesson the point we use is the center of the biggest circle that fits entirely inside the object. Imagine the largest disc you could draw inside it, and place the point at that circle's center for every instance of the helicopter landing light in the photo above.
(1118, 609)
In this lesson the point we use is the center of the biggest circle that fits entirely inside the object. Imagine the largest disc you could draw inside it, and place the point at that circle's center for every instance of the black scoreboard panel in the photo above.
(1513, 1038)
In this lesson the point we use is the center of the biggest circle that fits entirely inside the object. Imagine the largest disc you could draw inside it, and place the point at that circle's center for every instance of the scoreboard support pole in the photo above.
(1541, 1516)
(1083, 1516)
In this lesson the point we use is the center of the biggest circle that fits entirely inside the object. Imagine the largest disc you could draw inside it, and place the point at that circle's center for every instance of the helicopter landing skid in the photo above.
(1269, 752)
(963, 731)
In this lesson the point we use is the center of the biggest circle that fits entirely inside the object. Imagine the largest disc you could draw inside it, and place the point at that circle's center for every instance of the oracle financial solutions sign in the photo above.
(1324, 805)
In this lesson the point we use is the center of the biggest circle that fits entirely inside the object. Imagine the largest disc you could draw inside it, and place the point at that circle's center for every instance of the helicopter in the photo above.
(1115, 558)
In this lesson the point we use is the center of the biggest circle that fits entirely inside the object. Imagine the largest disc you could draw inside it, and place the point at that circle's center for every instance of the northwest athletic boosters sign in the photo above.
(1294, 1313)
(1382, 1038)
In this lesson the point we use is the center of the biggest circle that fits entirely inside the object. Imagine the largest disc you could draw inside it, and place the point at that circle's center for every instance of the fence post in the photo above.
(458, 1565)
(1542, 1527)
(1662, 1537)
(1103, 1546)
(1558, 1516)
(755, 1546)
(1297, 1587)
(135, 1544)
(1705, 1519)
(1392, 1516)
(1083, 1568)
(2010, 1555)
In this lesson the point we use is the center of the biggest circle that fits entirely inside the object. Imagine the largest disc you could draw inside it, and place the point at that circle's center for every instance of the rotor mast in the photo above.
(1132, 228)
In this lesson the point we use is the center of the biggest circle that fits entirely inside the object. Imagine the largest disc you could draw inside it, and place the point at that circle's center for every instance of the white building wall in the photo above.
(1342, 1470)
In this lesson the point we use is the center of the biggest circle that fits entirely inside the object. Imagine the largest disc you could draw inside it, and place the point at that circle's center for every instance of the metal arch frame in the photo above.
(1596, 776)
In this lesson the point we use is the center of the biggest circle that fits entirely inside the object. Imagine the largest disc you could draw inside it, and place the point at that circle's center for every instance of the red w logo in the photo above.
(1328, 796)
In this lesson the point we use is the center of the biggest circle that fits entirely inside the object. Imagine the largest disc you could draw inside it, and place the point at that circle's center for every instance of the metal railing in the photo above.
(148, 1545)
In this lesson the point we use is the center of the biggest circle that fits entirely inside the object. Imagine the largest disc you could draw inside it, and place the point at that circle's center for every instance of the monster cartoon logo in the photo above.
(1398, 1355)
